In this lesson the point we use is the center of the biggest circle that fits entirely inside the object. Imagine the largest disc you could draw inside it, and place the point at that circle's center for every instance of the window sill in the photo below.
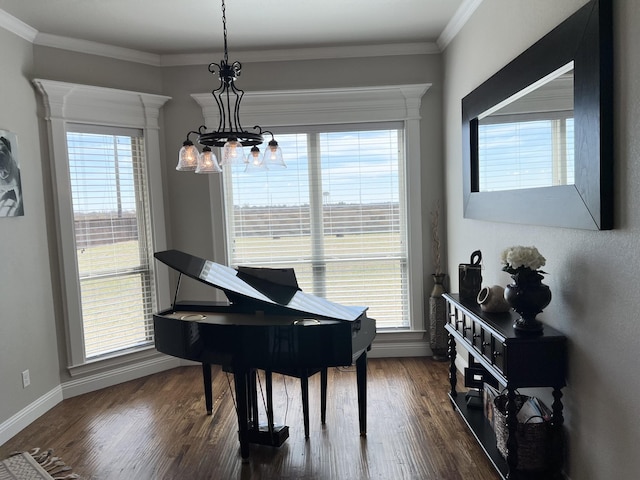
(117, 360)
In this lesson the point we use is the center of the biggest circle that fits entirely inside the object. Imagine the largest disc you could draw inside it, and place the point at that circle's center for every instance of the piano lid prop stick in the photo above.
(175, 297)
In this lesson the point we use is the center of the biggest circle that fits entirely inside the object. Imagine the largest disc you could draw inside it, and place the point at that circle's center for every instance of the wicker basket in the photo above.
(533, 438)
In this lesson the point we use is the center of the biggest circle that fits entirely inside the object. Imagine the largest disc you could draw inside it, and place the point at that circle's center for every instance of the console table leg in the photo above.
(512, 441)
(557, 432)
(557, 408)
(453, 379)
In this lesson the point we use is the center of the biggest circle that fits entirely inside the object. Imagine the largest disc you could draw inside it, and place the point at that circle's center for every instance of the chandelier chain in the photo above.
(224, 31)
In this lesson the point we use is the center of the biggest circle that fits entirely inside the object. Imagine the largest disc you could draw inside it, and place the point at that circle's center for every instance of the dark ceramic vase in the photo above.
(528, 296)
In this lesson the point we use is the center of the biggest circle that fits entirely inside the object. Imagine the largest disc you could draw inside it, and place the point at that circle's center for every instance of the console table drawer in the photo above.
(477, 336)
(493, 351)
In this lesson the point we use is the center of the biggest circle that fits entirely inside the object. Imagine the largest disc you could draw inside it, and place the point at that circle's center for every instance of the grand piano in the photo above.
(268, 324)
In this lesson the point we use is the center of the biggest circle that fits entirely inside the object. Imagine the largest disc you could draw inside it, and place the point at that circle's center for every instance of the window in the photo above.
(336, 214)
(317, 197)
(112, 237)
(105, 153)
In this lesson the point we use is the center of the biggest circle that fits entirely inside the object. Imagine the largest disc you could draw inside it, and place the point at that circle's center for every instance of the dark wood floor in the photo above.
(156, 428)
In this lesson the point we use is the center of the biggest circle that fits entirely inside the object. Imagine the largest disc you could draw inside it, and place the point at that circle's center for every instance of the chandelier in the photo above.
(230, 135)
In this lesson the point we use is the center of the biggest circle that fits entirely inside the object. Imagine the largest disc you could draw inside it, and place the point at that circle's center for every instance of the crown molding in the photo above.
(17, 27)
(456, 23)
(319, 53)
(119, 53)
(95, 48)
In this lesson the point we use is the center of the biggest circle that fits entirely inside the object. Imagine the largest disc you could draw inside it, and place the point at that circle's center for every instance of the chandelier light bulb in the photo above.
(232, 152)
(233, 149)
(254, 156)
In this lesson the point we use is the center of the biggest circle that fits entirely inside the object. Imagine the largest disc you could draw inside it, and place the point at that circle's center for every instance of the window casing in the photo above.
(368, 105)
(74, 111)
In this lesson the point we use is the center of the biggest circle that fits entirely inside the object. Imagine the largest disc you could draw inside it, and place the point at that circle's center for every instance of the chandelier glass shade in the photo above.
(273, 156)
(187, 157)
(207, 162)
(230, 135)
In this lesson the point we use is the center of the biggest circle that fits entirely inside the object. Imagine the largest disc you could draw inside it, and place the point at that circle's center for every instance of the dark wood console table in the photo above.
(512, 360)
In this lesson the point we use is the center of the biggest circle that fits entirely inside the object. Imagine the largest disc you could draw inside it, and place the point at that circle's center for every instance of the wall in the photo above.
(27, 326)
(32, 330)
(591, 274)
(66, 66)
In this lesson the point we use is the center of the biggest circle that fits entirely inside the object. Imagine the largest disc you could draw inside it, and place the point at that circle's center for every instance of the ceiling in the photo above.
(180, 27)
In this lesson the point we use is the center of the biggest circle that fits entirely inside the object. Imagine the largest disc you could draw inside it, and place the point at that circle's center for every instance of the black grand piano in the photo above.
(269, 324)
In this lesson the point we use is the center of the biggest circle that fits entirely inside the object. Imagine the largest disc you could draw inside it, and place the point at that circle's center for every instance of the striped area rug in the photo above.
(35, 465)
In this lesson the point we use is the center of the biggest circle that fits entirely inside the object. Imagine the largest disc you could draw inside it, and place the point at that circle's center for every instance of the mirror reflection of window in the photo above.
(527, 141)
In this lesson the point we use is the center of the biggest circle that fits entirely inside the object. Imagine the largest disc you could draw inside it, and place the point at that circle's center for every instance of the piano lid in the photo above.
(272, 287)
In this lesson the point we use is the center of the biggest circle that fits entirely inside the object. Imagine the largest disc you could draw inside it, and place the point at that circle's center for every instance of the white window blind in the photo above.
(336, 214)
(518, 151)
(112, 236)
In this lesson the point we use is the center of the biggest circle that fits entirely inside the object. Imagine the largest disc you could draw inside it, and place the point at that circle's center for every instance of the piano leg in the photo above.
(361, 373)
(241, 379)
(304, 386)
(323, 395)
(254, 422)
(208, 394)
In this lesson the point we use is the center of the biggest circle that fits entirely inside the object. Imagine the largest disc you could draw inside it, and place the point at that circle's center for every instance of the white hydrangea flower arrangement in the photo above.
(522, 260)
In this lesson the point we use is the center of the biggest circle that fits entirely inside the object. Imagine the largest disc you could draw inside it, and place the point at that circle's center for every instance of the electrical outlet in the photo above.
(26, 379)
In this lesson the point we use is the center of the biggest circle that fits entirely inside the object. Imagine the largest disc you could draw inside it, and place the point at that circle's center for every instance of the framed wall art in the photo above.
(10, 184)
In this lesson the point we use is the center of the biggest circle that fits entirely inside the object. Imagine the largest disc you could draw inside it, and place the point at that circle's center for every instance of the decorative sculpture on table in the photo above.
(491, 300)
(470, 277)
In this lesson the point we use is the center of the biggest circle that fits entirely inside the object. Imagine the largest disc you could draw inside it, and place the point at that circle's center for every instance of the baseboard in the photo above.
(109, 378)
(79, 386)
(28, 414)
(400, 344)
(461, 363)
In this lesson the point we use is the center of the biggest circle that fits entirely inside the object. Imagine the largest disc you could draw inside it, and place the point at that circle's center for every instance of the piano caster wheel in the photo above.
(209, 412)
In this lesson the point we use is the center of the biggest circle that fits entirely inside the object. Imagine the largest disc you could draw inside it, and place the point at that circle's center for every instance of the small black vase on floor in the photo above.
(528, 296)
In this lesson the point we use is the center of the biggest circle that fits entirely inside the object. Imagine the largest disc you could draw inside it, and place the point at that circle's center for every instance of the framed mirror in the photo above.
(538, 135)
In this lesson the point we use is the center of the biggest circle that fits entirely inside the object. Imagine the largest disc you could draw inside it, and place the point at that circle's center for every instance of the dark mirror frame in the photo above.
(586, 38)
